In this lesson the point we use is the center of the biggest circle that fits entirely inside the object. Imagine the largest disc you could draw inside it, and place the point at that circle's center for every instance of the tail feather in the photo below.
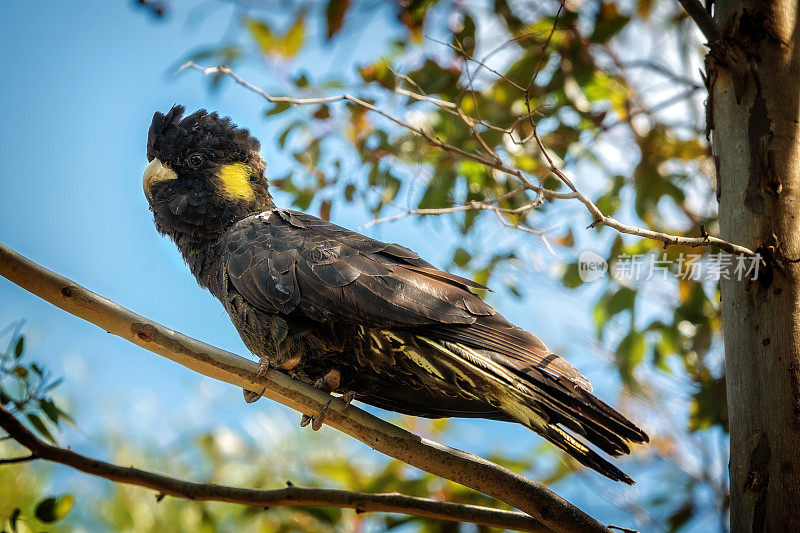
(547, 404)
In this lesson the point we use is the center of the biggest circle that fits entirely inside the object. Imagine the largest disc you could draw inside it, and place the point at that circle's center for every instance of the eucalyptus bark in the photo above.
(754, 104)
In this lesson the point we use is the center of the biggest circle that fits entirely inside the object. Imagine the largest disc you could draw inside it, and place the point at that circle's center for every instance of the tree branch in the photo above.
(526, 184)
(289, 496)
(703, 20)
(438, 459)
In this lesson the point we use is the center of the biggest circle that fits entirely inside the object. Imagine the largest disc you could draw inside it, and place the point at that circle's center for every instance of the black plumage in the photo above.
(355, 315)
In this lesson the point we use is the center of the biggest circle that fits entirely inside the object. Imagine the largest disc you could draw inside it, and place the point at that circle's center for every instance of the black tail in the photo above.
(551, 405)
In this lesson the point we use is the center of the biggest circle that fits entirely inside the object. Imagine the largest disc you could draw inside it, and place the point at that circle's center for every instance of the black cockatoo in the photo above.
(352, 315)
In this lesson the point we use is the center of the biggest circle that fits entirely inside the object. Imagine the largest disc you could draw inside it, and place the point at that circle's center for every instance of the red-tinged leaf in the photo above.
(335, 13)
(325, 210)
(322, 112)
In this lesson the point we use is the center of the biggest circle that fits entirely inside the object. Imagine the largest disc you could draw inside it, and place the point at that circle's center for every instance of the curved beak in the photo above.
(154, 173)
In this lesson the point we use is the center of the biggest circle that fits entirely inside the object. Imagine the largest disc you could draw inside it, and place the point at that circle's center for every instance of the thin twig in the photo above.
(472, 206)
(546, 43)
(289, 496)
(661, 69)
(598, 216)
(16, 460)
(438, 459)
(460, 50)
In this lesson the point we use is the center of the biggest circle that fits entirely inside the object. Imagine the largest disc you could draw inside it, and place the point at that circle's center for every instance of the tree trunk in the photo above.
(754, 118)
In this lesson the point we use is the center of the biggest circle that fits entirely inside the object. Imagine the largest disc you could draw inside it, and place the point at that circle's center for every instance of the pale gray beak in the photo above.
(154, 173)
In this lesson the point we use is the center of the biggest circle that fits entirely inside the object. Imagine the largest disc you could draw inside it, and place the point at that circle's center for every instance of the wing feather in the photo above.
(286, 261)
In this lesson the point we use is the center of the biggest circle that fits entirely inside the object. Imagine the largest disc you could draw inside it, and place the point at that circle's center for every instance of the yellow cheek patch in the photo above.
(235, 181)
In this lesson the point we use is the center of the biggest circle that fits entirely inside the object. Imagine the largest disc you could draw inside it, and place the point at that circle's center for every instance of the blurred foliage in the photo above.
(228, 458)
(26, 391)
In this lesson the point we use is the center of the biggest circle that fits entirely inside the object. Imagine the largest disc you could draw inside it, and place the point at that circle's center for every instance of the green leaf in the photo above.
(433, 78)
(286, 45)
(53, 412)
(285, 135)
(681, 515)
(37, 423)
(464, 38)
(608, 204)
(600, 314)
(19, 347)
(293, 40)
(262, 34)
(461, 257)
(438, 191)
(709, 405)
(621, 300)
(279, 107)
(630, 353)
(378, 72)
(571, 277)
(303, 198)
(49, 409)
(334, 15)
(301, 81)
(609, 22)
(51, 510)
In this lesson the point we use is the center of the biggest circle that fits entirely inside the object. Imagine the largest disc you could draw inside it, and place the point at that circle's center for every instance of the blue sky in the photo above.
(80, 86)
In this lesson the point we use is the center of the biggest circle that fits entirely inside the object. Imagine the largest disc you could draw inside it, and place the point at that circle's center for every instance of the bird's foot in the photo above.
(317, 420)
(328, 383)
(348, 397)
(264, 365)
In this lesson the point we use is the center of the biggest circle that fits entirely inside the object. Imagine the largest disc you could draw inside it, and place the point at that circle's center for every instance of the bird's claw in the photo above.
(264, 365)
(315, 421)
(250, 396)
(348, 397)
(328, 383)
